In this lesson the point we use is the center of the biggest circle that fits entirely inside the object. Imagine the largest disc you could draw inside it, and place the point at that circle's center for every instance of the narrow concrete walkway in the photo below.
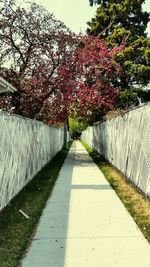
(84, 223)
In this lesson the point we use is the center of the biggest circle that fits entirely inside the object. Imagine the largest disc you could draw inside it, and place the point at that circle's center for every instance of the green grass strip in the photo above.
(16, 231)
(135, 202)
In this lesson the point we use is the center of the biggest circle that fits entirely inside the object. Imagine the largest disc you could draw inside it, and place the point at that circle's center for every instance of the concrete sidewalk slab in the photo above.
(84, 223)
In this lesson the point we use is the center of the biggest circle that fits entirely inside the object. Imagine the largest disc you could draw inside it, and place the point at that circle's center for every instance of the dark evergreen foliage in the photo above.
(124, 21)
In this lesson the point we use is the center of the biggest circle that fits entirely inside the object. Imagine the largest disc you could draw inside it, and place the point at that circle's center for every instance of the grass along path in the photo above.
(16, 231)
(136, 203)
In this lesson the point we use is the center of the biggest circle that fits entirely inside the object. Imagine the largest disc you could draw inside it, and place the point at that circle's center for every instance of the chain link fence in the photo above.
(25, 147)
(125, 142)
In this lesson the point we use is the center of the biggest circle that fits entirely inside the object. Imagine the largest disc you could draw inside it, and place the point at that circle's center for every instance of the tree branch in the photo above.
(107, 28)
(15, 46)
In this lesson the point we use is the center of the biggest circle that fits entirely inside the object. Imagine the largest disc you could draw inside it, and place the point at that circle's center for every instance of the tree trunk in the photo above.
(65, 133)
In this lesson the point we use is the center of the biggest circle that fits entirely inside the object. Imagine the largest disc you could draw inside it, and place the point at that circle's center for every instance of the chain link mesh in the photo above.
(25, 147)
(125, 142)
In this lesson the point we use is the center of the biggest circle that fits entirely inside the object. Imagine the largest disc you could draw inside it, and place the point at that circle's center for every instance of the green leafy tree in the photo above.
(124, 21)
(76, 126)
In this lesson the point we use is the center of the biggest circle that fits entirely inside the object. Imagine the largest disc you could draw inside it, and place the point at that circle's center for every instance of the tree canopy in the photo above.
(124, 21)
(57, 74)
(87, 81)
(33, 46)
(119, 17)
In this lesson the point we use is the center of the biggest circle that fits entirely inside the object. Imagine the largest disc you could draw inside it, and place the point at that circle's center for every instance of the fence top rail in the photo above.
(124, 113)
(6, 115)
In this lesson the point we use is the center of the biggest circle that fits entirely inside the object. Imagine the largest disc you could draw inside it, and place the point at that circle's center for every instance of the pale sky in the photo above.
(75, 13)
